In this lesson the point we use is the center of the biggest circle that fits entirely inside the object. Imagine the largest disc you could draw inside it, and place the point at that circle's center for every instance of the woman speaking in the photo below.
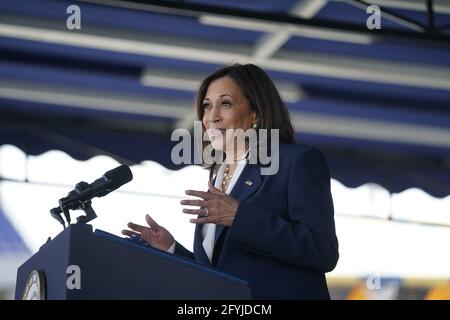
(275, 230)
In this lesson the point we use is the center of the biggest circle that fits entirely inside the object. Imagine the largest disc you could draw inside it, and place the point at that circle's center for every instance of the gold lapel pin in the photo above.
(249, 183)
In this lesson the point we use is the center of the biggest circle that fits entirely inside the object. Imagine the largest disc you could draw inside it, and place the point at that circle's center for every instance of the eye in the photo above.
(226, 103)
(206, 105)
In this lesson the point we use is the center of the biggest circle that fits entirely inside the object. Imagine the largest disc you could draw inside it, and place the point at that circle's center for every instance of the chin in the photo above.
(218, 145)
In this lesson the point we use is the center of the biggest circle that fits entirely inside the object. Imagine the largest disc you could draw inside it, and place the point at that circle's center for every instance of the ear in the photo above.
(254, 117)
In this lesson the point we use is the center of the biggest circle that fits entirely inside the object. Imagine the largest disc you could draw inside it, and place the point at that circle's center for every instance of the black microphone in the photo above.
(83, 191)
(109, 182)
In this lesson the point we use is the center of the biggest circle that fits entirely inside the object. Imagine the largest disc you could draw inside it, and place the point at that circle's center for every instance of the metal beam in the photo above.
(184, 49)
(269, 44)
(430, 15)
(294, 30)
(195, 10)
(93, 100)
(440, 6)
(368, 129)
(389, 15)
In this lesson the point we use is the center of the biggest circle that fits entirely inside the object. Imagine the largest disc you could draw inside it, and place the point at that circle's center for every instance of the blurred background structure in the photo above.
(75, 102)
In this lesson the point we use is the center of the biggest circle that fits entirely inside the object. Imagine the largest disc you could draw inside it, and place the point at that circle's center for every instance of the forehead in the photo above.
(221, 86)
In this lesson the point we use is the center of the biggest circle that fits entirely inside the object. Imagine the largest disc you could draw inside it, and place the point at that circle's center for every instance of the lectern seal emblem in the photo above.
(35, 287)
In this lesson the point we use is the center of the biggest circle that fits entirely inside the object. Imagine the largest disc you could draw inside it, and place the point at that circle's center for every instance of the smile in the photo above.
(217, 132)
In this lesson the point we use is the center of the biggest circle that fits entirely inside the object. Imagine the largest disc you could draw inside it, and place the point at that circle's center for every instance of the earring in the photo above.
(254, 126)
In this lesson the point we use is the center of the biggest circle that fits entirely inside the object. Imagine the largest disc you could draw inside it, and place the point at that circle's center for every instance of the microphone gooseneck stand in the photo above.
(66, 204)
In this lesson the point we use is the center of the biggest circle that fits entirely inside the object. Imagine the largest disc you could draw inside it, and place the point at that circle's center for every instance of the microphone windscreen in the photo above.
(119, 176)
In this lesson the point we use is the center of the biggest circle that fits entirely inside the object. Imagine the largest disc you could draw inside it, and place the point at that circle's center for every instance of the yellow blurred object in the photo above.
(358, 292)
(439, 292)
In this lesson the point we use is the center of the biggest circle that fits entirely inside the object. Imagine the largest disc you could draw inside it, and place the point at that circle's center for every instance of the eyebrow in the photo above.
(222, 95)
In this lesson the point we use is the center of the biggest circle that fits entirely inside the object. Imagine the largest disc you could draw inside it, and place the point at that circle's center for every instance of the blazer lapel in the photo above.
(248, 182)
(199, 251)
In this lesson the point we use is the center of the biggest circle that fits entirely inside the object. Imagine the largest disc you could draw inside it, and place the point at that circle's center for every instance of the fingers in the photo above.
(200, 194)
(201, 220)
(136, 227)
(152, 223)
(202, 211)
(130, 233)
(199, 203)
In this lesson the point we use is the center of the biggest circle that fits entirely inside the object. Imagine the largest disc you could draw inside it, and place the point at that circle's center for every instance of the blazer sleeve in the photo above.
(308, 237)
(182, 251)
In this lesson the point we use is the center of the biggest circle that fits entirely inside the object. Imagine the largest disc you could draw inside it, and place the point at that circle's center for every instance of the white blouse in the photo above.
(209, 229)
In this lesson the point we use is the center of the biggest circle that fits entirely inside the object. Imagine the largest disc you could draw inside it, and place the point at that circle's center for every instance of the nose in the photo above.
(214, 115)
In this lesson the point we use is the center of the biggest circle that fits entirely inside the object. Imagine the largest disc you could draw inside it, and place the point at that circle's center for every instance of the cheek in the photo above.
(240, 119)
(244, 122)
(234, 119)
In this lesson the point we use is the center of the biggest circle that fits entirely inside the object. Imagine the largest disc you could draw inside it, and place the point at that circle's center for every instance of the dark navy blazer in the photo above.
(283, 239)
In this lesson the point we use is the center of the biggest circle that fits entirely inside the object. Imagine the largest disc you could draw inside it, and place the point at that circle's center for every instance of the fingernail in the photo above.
(182, 201)
(188, 191)
(192, 220)
(184, 210)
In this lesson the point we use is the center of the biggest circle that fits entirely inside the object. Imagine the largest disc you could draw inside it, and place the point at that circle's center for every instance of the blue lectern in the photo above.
(82, 264)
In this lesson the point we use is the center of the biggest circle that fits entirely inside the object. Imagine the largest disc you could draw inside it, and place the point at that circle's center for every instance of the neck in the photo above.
(236, 156)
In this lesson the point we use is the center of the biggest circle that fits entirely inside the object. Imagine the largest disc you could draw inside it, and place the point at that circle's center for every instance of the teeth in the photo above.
(216, 132)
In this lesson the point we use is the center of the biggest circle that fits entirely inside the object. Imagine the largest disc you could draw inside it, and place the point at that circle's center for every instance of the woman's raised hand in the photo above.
(155, 235)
